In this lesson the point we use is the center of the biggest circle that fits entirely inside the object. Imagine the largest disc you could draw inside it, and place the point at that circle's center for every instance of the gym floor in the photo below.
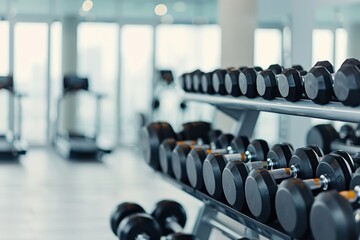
(44, 197)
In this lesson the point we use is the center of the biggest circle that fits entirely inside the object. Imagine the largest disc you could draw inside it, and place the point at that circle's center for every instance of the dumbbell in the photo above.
(266, 82)
(232, 82)
(347, 135)
(129, 221)
(194, 161)
(181, 151)
(206, 83)
(319, 81)
(189, 80)
(291, 81)
(327, 138)
(218, 80)
(153, 135)
(168, 145)
(170, 215)
(295, 197)
(347, 83)
(215, 163)
(261, 184)
(196, 82)
(235, 173)
(336, 215)
(247, 81)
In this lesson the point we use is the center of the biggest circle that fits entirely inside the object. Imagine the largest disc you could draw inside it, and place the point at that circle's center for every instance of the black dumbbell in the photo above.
(196, 82)
(261, 184)
(218, 80)
(336, 215)
(347, 83)
(206, 83)
(318, 83)
(130, 222)
(170, 215)
(235, 173)
(295, 197)
(181, 151)
(169, 144)
(189, 80)
(291, 82)
(232, 82)
(323, 135)
(153, 135)
(247, 81)
(326, 137)
(347, 135)
(214, 164)
(194, 161)
(267, 82)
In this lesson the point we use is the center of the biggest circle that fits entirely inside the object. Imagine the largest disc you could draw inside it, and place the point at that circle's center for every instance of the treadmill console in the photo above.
(74, 83)
(6, 82)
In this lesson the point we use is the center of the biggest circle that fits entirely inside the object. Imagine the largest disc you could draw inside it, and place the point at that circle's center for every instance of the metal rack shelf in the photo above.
(270, 231)
(304, 108)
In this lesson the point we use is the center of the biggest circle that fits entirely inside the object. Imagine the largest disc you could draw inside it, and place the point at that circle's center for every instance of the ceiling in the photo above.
(201, 11)
(179, 11)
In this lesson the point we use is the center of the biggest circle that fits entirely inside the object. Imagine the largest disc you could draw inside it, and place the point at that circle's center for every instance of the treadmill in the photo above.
(75, 145)
(11, 144)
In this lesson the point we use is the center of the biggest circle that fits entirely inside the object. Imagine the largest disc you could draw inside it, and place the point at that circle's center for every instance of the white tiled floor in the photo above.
(44, 197)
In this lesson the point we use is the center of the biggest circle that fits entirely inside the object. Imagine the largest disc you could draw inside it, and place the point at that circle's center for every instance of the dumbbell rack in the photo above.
(246, 112)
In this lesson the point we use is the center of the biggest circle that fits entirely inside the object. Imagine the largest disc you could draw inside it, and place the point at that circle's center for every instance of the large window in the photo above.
(55, 72)
(268, 50)
(323, 45)
(4, 48)
(267, 47)
(30, 76)
(184, 48)
(4, 70)
(136, 76)
(98, 60)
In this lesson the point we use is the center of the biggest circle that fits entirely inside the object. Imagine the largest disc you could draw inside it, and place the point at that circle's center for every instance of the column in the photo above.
(237, 19)
(69, 106)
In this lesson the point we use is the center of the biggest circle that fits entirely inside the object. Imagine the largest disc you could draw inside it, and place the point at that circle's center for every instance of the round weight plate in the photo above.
(347, 158)
(223, 142)
(166, 209)
(165, 154)
(233, 182)
(293, 203)
(213, 167)
(240, 144)
(258, 148)
(280, 154)
(139, 224)
(322, 135)
(335, 168)
(260, 190)
(122, 211)
(178, 161)
(306, 160)
(194, 164)
(332, 218)
(355, 181)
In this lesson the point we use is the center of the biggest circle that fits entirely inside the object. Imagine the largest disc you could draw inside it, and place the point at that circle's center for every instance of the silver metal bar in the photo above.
(305, 108)
(224, 229)
(201, 229)
(173, 224)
